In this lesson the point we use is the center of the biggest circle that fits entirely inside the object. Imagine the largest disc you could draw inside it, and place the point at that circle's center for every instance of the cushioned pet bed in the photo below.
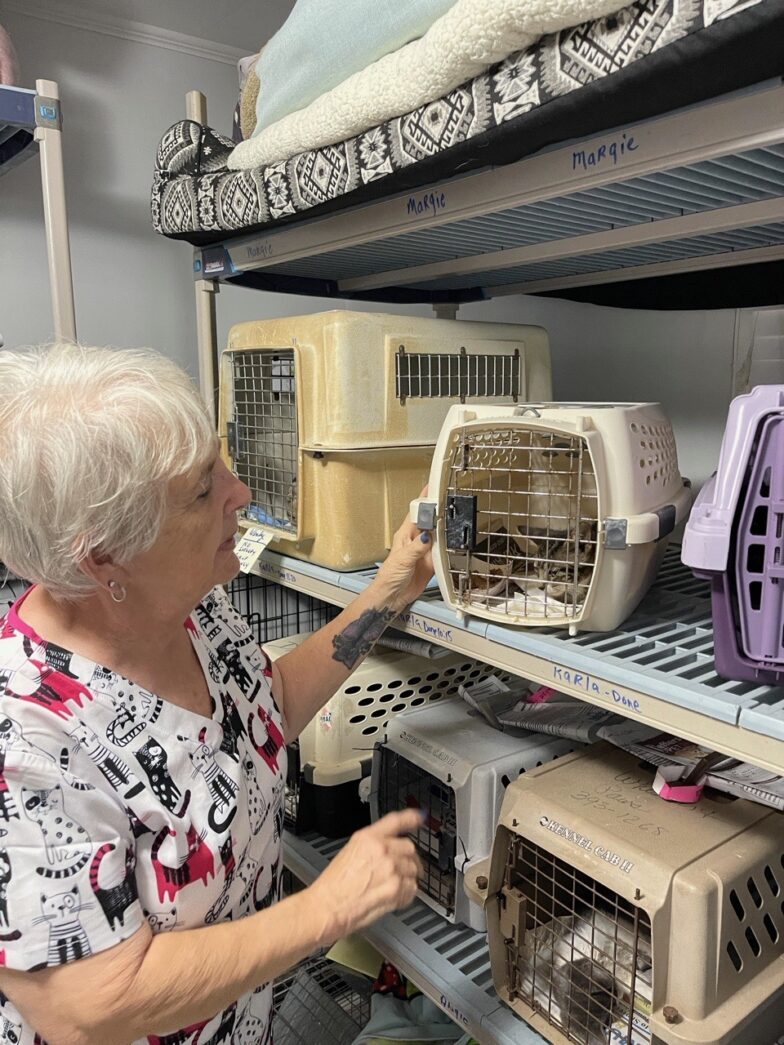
(649, 58)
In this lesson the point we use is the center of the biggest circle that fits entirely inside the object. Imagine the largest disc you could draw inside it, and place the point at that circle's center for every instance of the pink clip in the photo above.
(541, 695)
(667, 787)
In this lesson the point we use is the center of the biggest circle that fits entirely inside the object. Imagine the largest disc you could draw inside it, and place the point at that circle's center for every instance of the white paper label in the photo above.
(251, 545)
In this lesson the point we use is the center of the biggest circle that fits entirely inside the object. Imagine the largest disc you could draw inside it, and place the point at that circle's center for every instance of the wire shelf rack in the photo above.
(318, 1001)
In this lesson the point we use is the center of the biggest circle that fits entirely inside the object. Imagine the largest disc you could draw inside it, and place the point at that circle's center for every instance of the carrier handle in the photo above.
(650, 526)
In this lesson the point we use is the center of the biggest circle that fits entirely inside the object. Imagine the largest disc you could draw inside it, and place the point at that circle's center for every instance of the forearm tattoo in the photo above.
(356, 640)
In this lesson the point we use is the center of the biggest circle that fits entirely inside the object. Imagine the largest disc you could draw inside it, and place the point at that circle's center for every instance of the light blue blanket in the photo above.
(323, 42)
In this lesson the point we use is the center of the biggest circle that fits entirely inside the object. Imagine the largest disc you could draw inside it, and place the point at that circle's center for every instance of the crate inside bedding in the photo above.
(334, 752)
(453, 765)
(552, 514)
(735, 537)
(614, 917)
(331, 418)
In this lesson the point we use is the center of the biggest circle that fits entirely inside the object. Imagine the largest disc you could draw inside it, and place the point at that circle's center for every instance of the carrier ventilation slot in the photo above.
(437, 375)
(582, 953)
(264, 433)
(404, 785)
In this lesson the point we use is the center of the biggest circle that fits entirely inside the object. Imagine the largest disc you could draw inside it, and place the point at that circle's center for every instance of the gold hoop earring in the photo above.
(117, 592)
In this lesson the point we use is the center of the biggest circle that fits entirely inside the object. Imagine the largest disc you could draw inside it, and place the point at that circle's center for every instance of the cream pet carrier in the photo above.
(335, 749)
(552, 514)
(616, 917)
(452, 764)
(331, 419)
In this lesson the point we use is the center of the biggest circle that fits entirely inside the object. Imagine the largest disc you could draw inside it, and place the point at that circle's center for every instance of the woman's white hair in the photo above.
(90, 439)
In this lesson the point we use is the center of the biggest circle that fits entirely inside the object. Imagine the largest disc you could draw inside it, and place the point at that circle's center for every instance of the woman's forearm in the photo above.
(190, 976)
(307, 677)
(160, 984)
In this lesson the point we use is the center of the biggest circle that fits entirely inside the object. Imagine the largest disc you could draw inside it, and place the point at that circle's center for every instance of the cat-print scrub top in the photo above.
(117, 806)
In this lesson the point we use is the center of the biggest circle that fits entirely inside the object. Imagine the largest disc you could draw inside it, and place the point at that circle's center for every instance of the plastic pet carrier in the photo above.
(455, 766)
(331, 419)
(616, 917)
(335, 750)
(735, 538)
(552, 514)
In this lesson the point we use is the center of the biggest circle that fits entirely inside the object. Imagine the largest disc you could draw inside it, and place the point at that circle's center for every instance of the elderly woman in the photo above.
(142, 734)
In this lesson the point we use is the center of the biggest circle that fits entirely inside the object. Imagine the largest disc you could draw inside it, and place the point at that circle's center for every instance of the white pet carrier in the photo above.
(552, 514)
(331, 419)
(336, 747)
(616, 917)
(451, 763)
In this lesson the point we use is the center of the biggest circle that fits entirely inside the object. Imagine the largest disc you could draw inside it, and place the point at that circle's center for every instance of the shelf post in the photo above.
(445, 309)
(48, 135)
(207, 341)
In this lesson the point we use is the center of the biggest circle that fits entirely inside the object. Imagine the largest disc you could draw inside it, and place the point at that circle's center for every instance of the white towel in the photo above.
(469, 38)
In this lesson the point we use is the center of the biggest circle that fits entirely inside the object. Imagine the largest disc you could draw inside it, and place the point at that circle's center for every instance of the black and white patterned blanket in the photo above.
(488, 120)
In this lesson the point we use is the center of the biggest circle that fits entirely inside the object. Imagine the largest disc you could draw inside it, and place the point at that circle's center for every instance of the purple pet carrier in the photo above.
(735, 538)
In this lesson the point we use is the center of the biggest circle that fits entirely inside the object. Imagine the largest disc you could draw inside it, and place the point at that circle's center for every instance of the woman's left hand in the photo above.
(409, 566)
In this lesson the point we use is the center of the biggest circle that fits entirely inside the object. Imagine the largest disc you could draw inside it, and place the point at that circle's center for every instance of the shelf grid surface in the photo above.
(699, 188)
(748, 177)
(656, 667)
(449, 963)
(17, 123)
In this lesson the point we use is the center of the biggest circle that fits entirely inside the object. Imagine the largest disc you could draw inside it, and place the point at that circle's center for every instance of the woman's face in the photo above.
(195, 550)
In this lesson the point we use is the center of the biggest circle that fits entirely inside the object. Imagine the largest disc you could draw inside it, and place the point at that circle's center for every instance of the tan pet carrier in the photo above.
(331, 419)
(616, 917)
(552, 514)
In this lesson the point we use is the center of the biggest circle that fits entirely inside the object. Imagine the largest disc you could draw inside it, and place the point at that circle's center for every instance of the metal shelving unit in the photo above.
(31, 121)
(695, 190)
(656, 668)
(449, 963)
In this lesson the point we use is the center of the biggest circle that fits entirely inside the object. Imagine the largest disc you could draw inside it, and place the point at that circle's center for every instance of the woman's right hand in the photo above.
(374, 873)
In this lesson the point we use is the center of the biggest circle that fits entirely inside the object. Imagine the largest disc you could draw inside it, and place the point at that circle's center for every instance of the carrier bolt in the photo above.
(481, 881)
(671, 1014)
(514, 821)
(637, 894)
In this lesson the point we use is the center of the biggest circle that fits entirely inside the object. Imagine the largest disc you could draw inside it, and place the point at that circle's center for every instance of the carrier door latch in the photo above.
(512, 910)
(460, 521)
(232, 440)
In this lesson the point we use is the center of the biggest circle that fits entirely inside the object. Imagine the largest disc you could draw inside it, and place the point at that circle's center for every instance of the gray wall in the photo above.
(134, 288)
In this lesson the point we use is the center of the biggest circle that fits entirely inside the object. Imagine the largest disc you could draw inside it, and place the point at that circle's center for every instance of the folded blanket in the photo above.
(470, 37)
(323, 42)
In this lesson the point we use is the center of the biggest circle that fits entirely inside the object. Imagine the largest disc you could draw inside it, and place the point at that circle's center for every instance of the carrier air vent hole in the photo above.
(352, 689)
(374, 687)
(755, 594)
(765, 484)
(734, 956)
(754, 892)
(397, 707)
(770, 928)
(759, 521)
(368, 731)
(417, 701)
(357, 718)
(737, 906)
(770, 879)
(753, 942)
(755, 560)
(386, 698)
